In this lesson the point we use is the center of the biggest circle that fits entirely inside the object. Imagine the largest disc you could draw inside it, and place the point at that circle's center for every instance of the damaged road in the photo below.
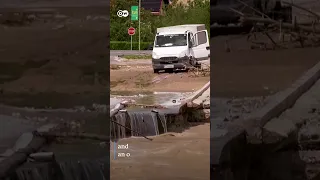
(280, 140)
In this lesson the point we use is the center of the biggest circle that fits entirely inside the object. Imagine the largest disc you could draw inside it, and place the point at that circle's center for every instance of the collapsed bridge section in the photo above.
(130, 119)
(280, 141)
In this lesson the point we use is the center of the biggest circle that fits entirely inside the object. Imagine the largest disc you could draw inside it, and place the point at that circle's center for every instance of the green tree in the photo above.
(195, 12)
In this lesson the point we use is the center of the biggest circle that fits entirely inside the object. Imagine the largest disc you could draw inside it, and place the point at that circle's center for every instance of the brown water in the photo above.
(145, 121)
(142, 122)
(151, 98)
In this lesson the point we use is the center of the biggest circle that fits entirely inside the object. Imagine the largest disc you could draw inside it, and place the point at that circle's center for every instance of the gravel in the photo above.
(226, 111)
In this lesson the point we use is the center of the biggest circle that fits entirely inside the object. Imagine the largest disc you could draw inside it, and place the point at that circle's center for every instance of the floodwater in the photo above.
(142, 122)
(159, 98)
(146, 121)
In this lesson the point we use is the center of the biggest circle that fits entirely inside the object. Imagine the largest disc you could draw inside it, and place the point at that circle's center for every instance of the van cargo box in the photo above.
(181, 28)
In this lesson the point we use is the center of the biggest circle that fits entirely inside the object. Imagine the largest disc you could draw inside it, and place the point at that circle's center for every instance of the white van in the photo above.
(178, 47)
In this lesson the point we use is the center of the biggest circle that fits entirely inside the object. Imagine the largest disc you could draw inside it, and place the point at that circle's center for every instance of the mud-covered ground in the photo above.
(58, 60)
(243, 78)
(244, 72)
(53, 69)
(134, 78)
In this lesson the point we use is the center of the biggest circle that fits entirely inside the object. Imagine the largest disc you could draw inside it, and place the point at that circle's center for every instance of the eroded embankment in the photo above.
(280, 140)
(56, 159)
(129, 120)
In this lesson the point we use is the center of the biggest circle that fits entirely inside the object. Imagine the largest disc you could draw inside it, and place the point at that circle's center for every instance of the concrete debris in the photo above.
(42, 157)
(61, 26)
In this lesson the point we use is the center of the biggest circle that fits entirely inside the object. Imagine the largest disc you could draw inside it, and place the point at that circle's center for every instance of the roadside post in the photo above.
(139, 22)
(135, 16)
(131, 32)
(135, 13)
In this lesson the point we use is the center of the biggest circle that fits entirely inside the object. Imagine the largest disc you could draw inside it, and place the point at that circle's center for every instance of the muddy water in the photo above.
(146, 122)
(142, 122)
(150, 98)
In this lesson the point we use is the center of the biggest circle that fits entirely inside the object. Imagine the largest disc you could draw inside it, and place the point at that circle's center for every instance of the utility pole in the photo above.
(139, 22)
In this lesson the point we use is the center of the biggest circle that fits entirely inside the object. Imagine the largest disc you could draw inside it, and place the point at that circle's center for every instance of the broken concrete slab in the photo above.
(42, 156)
(279, 102)
(23, 141)
(224, 146)
(47, 128)
(11, 129)
(303, 111)
(23, 148)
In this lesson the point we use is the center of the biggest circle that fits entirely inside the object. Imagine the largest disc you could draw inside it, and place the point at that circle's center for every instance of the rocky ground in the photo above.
(226, 110)
(303, 119)
(244, 72)
(244, 79)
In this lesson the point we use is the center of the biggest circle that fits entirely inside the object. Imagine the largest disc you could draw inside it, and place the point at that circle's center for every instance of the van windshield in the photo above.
(171, 40)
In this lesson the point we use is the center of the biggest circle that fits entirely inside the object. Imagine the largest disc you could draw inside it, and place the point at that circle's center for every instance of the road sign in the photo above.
(134, 13)
(131, 31)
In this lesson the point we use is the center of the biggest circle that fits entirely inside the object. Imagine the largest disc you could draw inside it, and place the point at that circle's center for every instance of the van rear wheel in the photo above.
(155, 70)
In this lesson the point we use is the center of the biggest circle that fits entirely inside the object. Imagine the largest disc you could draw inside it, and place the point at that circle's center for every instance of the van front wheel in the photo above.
(155, 70)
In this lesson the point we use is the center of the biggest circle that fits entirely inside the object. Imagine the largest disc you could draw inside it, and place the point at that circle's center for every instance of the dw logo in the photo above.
(122, 13)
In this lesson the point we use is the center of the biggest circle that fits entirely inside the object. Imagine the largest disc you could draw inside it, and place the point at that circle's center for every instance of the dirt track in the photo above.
(246, 72)
(55, 57)
(53, 61)
(134, 79)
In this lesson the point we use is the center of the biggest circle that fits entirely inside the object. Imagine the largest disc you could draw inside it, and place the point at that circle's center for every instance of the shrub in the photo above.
(123, 45)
